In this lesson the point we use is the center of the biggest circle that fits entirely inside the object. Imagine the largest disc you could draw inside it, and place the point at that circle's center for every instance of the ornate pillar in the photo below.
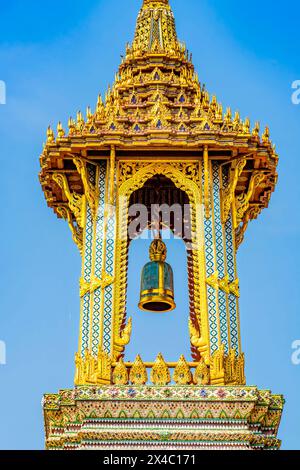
(221, 274)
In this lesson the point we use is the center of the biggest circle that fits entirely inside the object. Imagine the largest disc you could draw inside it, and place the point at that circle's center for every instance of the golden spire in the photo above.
(147, 2)
(155, 29)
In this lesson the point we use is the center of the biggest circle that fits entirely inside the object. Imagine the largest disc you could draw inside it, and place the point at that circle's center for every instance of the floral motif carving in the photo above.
(160, 374)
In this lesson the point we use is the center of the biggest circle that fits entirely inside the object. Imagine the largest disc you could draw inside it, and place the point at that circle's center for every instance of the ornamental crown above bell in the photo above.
(158, 250)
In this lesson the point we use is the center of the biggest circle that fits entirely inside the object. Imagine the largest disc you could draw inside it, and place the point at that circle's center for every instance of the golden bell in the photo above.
(157, 286)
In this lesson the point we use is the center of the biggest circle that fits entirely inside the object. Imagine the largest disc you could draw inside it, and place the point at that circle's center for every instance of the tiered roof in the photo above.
(157, 102)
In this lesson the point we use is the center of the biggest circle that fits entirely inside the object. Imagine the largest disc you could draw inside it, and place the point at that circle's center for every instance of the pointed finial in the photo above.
(80, 119)
(182, 373)
(148, 2)
(60, 130)
(50, 135)
(100, 101)
(71, 125)
(219, 114)
(213, 104)
(89, 114)
(246, 127)
(206, 98)
(160, 374)
(138, 372)
(149, 38)
(256, 129)
(228, 116)
(237, 118)
(266, 136)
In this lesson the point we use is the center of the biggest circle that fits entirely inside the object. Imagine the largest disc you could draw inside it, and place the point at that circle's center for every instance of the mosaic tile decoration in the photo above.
(88, 254)
(85, 302)
(100, 220)
(157, 393)
(85, 326)
(211, 293)
(87, 274)
(218, 222)
(230, 255)
(220, 255)
(99, 257)
(108, 292)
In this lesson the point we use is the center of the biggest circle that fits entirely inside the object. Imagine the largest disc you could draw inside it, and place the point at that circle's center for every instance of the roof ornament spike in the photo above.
(256, 129)
(60, 130)
(80, 121)
(89, 114)
(228, 116)
(155, 30)
(72, 126)
(237, 117)
(246, 126)
(266, 135)
(149, 2)
(99, 103)
(50, 135)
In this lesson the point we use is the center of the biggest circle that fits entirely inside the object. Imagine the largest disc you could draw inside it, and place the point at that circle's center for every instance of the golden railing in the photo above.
(136, 373)
(223, 369)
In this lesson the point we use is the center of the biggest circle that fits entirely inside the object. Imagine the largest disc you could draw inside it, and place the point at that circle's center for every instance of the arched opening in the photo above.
(166, 333)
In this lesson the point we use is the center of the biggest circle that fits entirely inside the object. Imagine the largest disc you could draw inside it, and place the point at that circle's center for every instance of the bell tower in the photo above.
(158, 139)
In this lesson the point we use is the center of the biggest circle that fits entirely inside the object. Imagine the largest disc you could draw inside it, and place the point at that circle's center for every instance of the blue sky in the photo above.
(55, 58)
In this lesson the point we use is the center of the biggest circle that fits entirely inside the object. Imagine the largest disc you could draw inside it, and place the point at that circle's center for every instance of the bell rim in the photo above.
(157, 299)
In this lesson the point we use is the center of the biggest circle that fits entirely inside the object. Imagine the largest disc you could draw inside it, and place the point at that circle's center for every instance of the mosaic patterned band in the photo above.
(220, 261)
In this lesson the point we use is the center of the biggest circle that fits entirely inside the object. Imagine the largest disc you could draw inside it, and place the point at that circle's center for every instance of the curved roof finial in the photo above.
(148, 2)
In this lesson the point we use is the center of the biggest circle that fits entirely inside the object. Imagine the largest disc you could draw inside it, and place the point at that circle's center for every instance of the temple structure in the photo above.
(158, 128)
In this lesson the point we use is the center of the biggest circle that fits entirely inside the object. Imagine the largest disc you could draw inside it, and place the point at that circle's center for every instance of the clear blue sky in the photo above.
(55, 58)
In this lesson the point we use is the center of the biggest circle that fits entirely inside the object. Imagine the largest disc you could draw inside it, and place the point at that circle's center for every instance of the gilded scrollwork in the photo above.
(76, 201)
(228, 193)
(128, 170)
(189, 170)
(91, 192)
(240, 232)
(252, 213)
(125, 335)
(77, 232)
(242, 201)
(195, 337)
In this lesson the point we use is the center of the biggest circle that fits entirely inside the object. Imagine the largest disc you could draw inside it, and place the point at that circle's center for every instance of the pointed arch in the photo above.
(183, 179)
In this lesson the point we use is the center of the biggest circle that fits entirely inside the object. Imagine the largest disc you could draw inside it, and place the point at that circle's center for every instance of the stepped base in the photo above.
(162, 418)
